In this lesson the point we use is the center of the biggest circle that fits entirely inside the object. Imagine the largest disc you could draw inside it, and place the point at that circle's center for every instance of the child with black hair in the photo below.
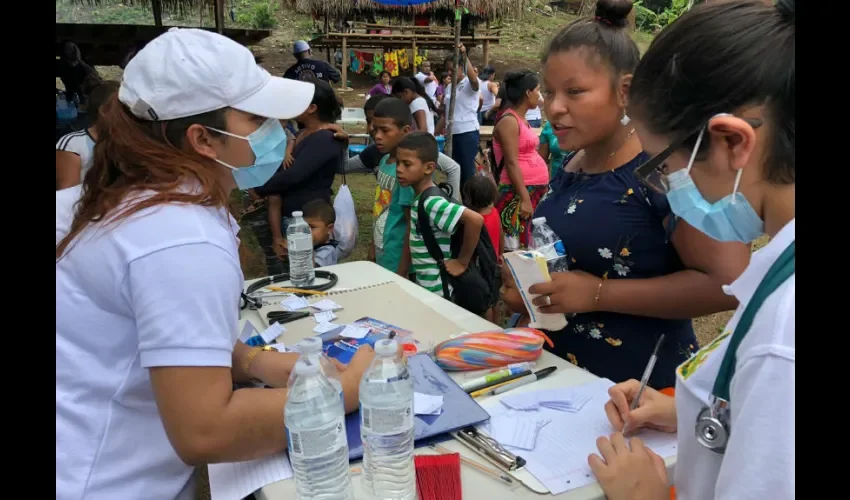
(422, 108)
(416, 161)
(479, 194)
(320, 216)
(391, 122)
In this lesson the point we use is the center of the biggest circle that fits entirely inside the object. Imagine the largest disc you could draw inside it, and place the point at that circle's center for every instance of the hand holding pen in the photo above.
(634, 405)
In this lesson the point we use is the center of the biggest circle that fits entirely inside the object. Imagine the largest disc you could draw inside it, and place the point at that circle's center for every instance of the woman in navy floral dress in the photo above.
(636, 272)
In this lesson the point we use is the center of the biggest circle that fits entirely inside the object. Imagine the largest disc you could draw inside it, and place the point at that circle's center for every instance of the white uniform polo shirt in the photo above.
(160, 289)
(465, 118)
(759, 460)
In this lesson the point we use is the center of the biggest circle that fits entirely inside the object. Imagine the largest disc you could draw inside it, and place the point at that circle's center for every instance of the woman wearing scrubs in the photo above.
(148, 278)
(724, 146)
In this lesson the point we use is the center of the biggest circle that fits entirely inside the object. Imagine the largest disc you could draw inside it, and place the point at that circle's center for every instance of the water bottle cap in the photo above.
(297, 213)
(305, 367)
(310, 344)
(538, 221)
(386, 347)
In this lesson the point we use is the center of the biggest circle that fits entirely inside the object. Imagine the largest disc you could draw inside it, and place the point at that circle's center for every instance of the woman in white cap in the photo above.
(148, 278)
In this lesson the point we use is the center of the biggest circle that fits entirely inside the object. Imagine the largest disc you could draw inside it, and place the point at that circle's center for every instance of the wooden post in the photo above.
(219, 16)
(414, 53)
(156, 7)
(328, 48)
(487, 45)
(453, 98)
(344, 63)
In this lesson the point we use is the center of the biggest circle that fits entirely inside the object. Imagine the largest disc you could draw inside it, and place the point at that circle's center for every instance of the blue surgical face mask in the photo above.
(731, 218)
(269, 146)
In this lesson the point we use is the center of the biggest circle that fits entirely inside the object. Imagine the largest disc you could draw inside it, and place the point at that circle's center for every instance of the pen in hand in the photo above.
(644, 379)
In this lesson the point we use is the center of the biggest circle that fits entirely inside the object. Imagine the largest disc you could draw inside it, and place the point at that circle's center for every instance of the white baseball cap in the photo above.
(186, 72)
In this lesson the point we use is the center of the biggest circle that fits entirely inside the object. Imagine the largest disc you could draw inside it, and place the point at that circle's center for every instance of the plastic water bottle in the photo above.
(312, 347)
(386, 426)
(545, 241)
(299, 239)
(315, 430)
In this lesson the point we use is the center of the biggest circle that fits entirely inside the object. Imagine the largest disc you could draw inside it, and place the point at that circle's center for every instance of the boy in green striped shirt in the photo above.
(416, 157)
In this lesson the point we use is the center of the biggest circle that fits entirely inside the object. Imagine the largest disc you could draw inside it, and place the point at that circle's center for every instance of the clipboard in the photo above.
(459, 409)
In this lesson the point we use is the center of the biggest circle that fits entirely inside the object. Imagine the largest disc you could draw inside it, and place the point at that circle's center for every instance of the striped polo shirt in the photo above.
(444, 216)
(81, 144)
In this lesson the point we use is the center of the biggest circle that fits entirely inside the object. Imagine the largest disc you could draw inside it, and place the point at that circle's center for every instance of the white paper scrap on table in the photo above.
(274, 331)
(559, 457)
(427, 404)
(324, 317)
(235, 481)
(294, 303)
(324, 327)
(355, 332)
(326, 305)
(248, 331)
(570, 399)
(518, 431)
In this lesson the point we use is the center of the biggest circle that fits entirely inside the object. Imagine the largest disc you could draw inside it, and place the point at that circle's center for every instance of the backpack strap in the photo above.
(424, 225)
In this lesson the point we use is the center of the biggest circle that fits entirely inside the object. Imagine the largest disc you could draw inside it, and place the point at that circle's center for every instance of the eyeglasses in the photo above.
(651, 173)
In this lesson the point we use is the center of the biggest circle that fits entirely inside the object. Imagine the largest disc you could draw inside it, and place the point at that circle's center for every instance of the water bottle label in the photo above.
(319, 442)
(386, 421)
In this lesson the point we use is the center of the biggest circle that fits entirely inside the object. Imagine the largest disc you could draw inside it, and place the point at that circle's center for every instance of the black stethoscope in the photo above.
(712, 427)
(249, 300)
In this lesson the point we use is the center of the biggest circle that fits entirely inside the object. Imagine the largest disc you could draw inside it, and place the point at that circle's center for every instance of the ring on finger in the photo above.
(548, 300)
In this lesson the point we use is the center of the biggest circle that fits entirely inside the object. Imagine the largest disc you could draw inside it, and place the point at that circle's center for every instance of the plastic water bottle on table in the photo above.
(386, 426)
(299, 240)
(315, 430)
(312, 347)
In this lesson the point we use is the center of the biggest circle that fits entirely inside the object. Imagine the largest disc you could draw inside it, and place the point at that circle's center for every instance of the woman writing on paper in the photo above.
(148, 278)
(636, 271)
(725, 157)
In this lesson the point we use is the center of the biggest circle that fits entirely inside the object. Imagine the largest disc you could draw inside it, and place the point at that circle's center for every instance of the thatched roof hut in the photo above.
(442, 10)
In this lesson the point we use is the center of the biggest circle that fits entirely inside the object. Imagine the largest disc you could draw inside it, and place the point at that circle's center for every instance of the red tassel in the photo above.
(438, 477)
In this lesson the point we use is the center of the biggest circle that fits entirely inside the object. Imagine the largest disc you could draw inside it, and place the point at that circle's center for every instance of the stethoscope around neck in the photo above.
(713, 427)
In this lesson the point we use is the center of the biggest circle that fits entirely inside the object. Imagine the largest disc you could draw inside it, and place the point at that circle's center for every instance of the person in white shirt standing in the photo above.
(464, 124)
(75, 151)
(422, 107)
(428, 80)
(148, 278)
(489, 91)
(725, 157)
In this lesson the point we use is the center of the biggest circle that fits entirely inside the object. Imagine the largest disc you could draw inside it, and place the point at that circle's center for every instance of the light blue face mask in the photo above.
(731, 218)
(269, 146)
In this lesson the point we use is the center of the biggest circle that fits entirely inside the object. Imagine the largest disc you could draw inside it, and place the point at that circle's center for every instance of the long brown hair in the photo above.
(133, 155)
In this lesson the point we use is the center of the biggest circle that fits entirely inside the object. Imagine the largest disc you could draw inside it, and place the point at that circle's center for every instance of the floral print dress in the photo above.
(614, 228)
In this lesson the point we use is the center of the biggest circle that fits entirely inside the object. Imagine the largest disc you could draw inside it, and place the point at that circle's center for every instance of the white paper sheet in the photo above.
(354, 332)
(235, 481)
(326, 305)
(570, 399)
(279, 347)
(294, 303)
(559, 457)
(427, 404)
(248, 331)
(324, 317)
(517, 431)
(272, 332)
(324, 327)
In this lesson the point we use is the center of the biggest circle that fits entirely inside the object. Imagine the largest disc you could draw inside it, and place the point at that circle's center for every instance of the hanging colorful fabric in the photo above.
(377, 64)
(354, 61)
(403, 61)
(391, 63)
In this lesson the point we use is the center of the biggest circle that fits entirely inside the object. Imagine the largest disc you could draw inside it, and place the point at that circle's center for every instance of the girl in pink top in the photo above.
(522, 174)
